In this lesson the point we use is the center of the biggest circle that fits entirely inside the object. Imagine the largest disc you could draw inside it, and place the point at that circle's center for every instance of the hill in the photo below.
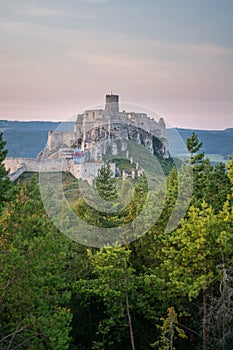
(217, 144)
(27, 139)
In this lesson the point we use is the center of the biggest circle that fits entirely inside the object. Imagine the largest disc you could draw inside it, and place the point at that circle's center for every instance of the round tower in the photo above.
(112, 104)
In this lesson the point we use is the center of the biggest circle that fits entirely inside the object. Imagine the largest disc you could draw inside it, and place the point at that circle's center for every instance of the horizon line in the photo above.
(63, 121)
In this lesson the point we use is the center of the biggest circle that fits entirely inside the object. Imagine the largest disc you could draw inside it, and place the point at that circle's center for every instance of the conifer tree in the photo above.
(4, 180)
(169, 331)
(105, 184)
(193, 145)
(114, 284)
(34, 291)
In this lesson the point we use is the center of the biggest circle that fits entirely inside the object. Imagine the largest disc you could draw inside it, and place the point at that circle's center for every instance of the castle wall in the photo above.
(16, 174)
(93, 114)
(93, 118)
(90, 126)
(57, 138)
(86, 171)
(12, 164)
(141, 120)
(36, 165)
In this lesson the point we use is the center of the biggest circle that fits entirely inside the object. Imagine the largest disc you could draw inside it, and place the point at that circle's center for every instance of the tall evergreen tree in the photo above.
(190, 257)
(211, 183)
(114, 284)
(34, 293)
(4, 180)
(194, 145)
(105, 184)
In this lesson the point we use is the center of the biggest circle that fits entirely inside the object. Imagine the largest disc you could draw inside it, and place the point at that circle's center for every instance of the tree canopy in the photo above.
(165, 290)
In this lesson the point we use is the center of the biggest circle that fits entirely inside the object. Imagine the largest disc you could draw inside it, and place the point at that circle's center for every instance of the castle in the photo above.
(95, 133)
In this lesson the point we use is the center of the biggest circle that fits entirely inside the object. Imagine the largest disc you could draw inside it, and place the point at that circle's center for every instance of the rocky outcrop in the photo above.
(97, 134)
(102, 125)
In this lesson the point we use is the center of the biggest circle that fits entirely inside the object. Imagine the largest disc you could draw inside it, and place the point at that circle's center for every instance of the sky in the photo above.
(175, 57)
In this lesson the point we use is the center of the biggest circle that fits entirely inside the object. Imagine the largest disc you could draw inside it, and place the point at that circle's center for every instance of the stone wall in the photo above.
(16, 174)
(36, 165)
(56, 139)
(90, 127)
(86, 171)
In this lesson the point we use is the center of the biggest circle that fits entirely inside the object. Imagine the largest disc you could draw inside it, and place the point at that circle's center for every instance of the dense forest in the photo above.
(166, 290)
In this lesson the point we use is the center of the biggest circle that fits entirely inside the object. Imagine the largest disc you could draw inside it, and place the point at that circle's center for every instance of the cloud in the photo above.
(51, 61)
(38, 11)
(13, 25)
(209, 49)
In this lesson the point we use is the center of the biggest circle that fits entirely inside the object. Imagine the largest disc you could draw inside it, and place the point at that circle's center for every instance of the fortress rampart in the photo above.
(91, 131)
(87, 171)
(105, 119)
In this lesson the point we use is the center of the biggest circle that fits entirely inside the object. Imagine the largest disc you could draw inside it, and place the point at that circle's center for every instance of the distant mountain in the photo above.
(27, 126)
(230, 130)
(214, 141)
(27, 139)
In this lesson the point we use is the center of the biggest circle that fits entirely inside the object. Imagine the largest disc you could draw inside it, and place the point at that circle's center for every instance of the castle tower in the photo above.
(112, 104)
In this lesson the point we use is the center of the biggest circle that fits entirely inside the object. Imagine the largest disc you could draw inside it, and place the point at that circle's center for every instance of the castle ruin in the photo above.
(96, 132)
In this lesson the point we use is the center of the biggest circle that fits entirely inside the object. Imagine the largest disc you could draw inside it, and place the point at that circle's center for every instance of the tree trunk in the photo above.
(204, 347)
(129, 321)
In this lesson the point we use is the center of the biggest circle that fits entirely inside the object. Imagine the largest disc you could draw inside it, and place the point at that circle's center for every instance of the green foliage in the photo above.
(4, 181)
(33, 288)
(210, 183)
(191, 251)
(113, 283)
(121, 215)
(166, 164)
(105, 183)
(193, 145)
(169, 330)
(217, 142)
(55, 294)
(230, 169)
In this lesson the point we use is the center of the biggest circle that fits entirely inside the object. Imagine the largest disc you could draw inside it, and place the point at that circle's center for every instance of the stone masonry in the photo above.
(92, 130)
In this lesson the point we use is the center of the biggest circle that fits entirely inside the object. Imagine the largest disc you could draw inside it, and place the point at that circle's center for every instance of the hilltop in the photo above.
(27, 139)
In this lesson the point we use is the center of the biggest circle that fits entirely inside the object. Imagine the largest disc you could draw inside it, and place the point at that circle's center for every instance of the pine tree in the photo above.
(169, 331)
(211, 183)
(34, 290)
(193, 145)
(105, 184)
(114, 283)
(191, 255)
(4, 180)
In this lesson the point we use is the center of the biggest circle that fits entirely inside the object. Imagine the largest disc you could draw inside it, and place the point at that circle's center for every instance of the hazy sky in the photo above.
(58, 57)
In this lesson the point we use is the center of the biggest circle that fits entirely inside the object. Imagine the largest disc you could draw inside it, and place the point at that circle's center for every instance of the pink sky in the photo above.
(58, 58)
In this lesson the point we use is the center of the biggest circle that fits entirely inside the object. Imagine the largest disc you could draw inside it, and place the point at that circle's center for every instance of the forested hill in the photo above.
(27, 139)
(218, 143)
